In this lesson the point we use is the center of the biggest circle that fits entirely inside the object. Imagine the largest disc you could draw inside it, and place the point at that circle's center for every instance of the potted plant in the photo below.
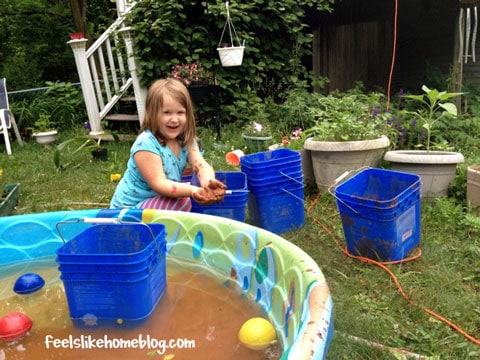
(98, 151)
(195, 77)
(350, 132)
(257, 133)
(429, 159)
(44, 130)
(230, 53)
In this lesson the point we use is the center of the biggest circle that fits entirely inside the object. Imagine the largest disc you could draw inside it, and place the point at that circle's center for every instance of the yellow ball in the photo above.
(257, 333)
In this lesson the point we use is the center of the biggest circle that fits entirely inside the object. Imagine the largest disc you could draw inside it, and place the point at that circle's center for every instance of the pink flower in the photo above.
(191, 74)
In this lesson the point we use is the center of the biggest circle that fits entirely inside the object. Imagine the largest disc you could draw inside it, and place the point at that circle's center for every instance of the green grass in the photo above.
(367, 304)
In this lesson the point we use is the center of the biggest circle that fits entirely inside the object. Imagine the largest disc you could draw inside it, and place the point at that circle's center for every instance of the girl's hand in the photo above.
(200, 196)
(217, 190)
(213, 193)
(214, 184)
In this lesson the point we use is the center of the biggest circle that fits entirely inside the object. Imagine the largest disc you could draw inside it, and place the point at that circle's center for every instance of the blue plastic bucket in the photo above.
(233, 205)
(113, 273)
(277, 210)
(280, 158)
(380, 213)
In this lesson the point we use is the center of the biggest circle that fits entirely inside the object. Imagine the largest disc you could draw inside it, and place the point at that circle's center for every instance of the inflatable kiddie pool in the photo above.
(279, 276)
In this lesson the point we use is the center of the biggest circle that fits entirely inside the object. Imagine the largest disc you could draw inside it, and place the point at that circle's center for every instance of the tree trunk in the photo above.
(79, 12)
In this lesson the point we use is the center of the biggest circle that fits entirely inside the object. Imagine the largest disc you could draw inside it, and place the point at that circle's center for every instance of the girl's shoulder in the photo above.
(146, 140)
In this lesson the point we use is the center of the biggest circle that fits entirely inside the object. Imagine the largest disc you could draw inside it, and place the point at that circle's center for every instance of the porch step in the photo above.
(122, 117)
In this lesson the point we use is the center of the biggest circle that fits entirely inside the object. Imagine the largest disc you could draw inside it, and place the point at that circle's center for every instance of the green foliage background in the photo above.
(277, 40)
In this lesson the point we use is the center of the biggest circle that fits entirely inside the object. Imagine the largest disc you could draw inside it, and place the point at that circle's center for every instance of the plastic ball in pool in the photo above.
(257, 334)
(28, 283)
(14, 325)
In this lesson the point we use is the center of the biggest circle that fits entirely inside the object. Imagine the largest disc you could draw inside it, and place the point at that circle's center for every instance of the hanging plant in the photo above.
(231, 53)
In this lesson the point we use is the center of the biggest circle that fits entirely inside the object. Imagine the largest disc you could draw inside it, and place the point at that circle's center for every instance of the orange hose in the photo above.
(383, 265)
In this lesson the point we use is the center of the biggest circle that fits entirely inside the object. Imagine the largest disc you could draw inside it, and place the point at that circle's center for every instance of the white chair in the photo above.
(7, 120)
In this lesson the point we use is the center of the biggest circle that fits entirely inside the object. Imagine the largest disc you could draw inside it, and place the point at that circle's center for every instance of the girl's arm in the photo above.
(150, 166)
(200, 166)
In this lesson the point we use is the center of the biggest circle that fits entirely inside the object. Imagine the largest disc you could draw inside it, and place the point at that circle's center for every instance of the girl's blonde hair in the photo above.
(154, 105)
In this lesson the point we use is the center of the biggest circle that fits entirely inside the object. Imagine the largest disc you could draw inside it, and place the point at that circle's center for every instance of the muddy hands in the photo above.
(211, 194)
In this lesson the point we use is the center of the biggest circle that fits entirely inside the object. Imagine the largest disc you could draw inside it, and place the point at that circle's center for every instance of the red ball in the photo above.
(14, 326)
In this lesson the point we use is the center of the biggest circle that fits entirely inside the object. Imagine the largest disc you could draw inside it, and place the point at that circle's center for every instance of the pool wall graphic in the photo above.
(284, 280)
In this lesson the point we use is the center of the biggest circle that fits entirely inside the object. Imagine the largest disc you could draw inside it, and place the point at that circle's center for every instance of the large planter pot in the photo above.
(330, 159)
(256, 143)
(436, 168)
(45, 137)
(473, 186)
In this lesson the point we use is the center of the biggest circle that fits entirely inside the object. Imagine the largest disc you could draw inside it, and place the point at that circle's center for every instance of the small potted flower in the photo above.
(257, 134)
(44, 131)
(195, 77)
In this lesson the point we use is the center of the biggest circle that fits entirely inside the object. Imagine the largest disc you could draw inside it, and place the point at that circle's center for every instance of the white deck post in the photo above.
(79, 51)
(140, 92)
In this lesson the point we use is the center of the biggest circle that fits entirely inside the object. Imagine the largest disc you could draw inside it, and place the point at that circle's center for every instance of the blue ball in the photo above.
(28, 283)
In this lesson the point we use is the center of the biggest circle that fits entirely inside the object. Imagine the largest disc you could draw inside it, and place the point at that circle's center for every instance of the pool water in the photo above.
(198, 317)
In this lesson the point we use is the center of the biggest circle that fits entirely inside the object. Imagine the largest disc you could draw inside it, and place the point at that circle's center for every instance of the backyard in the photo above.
(424, 308)
(371, 316)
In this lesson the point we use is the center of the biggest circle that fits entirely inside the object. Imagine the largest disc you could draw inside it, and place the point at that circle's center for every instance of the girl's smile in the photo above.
(172, 119)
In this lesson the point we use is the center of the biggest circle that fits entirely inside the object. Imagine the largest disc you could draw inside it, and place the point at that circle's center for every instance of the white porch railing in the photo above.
(108, 69)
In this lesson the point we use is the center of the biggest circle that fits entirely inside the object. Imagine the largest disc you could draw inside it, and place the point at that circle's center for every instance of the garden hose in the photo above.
(383, 265)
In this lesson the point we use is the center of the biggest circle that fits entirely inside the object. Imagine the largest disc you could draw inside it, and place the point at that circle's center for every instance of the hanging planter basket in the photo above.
(231, 54)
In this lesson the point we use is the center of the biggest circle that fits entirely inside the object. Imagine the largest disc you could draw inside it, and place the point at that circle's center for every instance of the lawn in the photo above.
(371, 315)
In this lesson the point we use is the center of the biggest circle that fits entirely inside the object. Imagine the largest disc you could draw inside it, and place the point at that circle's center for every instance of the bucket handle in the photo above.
(339, 179)
(291, 194)
(291, 178)
(105, 221)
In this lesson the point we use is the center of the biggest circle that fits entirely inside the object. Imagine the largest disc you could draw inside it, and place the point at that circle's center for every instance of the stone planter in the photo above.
(473, 186)
(436, 168)
(330, 159)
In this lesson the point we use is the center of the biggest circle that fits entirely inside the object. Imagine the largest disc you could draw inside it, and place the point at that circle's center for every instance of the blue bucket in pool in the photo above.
(113, 273)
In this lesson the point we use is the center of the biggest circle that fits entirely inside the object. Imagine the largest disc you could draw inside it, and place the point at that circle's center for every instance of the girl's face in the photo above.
(172, 118)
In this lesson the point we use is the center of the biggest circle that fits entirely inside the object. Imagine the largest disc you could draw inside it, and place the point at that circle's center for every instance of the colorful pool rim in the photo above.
(283, 279)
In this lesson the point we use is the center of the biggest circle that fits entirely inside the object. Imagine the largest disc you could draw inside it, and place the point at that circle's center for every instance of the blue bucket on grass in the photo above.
(233, 205)
(275, 180)
(277, 210)
(380, 213)
(281, 159)
(113, 273)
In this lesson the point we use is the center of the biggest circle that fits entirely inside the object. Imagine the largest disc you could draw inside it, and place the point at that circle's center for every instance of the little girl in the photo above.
(160, 153)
